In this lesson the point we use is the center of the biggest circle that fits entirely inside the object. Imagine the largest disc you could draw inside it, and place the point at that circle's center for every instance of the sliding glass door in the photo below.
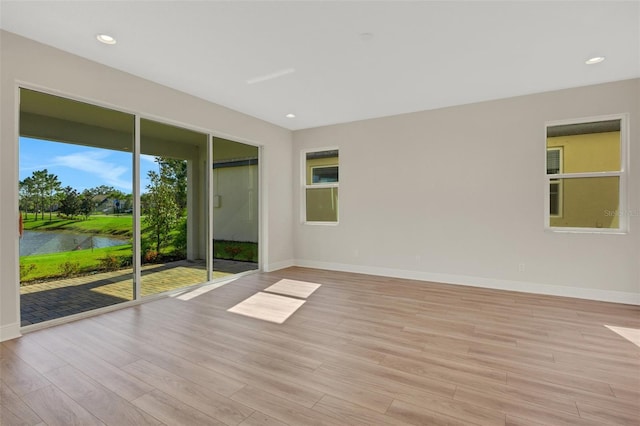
(116, 207)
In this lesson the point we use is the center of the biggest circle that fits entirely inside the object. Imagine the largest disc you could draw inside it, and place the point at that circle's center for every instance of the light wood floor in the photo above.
(362, 350)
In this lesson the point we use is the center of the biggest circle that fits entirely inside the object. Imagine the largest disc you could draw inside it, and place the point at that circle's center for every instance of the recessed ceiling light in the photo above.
(366, 36)
(106, 39)
(290, 115)
(594, 60)
(271, 76)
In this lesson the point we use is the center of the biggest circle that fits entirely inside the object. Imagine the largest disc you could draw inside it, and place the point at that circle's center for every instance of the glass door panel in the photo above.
(173, 203)
(235, 186)
(76, 204)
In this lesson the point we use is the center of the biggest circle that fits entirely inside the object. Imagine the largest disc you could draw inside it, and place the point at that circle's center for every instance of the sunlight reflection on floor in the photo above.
(631, 334)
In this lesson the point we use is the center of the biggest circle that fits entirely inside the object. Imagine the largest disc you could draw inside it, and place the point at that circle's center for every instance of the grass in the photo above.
(235, 250)
(95, 224)
(69, 263)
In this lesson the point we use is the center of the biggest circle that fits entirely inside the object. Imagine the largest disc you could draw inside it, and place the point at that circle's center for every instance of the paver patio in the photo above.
(55, 299)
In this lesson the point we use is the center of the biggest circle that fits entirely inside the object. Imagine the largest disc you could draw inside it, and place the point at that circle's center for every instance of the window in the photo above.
(324, 174)
(320, 184)
(585, 175)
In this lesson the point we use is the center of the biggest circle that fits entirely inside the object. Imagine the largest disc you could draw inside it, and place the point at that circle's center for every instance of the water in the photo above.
(39, 242)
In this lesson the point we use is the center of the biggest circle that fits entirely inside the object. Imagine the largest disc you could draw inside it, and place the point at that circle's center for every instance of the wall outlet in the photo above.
(521, 267)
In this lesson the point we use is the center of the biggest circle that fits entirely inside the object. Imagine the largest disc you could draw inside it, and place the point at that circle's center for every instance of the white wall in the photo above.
(456, 195)
(26, 61)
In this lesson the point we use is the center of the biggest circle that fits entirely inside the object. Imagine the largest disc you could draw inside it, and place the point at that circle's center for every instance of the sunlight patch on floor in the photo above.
(188, 295)
(267, 307)
(301, 289)
(631, 334)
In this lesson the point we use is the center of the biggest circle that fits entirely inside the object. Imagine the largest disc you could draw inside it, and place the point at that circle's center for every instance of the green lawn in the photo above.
(67, 264)
(235, 250)
(70, 263)
(95, 224)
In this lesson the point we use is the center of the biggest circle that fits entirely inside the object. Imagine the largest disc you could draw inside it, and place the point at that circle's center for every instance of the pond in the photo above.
(43, 242)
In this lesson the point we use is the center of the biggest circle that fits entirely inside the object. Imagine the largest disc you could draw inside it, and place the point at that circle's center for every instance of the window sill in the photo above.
(606, 231)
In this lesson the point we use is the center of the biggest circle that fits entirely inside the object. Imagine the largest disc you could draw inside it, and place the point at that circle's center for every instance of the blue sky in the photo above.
(82, 167)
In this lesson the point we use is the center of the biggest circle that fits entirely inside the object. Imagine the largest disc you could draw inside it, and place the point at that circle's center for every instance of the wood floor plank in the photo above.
(217, 406)
(15, 410)
(353, 414)
(218, 383)
(99, 401)
(384, 380)
(170, 411)
(462, 411)
(95, 343)
(38, 357)
(282, 409)
(612, 414)
(420, 415)
(264, 380)
(9, 419)
(56, 408)
(260, 419)
(20, 376)
(522, 409)
(111, 377)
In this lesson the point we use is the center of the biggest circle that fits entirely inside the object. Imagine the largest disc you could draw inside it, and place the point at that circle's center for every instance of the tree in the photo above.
(175, 172)
(69, 202)
(27, 195)
(86, 203)
(161, 212)
(53, 188)
(45, 189)
(102, 190)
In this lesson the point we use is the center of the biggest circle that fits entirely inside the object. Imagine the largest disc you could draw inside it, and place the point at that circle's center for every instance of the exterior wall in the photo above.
(35, 65)
(588, 202)
(594, 152)
(457, 195)
(235, 218)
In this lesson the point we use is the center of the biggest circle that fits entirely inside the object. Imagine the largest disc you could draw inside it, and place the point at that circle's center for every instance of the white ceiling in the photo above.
(421, 55)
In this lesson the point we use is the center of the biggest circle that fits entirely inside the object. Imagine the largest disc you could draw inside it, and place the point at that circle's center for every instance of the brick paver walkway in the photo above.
(56, 299)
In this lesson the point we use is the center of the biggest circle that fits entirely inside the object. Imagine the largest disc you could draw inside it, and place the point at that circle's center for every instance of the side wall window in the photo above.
(321, 180)
(585, 175)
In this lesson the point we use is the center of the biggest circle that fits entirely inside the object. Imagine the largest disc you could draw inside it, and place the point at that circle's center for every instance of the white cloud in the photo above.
(96, 162)
(148, 158)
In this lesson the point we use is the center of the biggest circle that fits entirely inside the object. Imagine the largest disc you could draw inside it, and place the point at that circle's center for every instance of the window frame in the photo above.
(304, 186)
(557, 182)
(621, 174)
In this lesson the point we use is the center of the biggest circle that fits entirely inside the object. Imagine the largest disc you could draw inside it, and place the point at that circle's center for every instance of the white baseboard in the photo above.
(9, 331)
(520, 286)
(279, 265)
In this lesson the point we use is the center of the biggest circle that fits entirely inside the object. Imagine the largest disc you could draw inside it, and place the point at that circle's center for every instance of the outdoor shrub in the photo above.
(150, 256)
(251, 255)
(27, 269)
(125, 261)
(233, 251)
(109, 263)
(69, 269)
